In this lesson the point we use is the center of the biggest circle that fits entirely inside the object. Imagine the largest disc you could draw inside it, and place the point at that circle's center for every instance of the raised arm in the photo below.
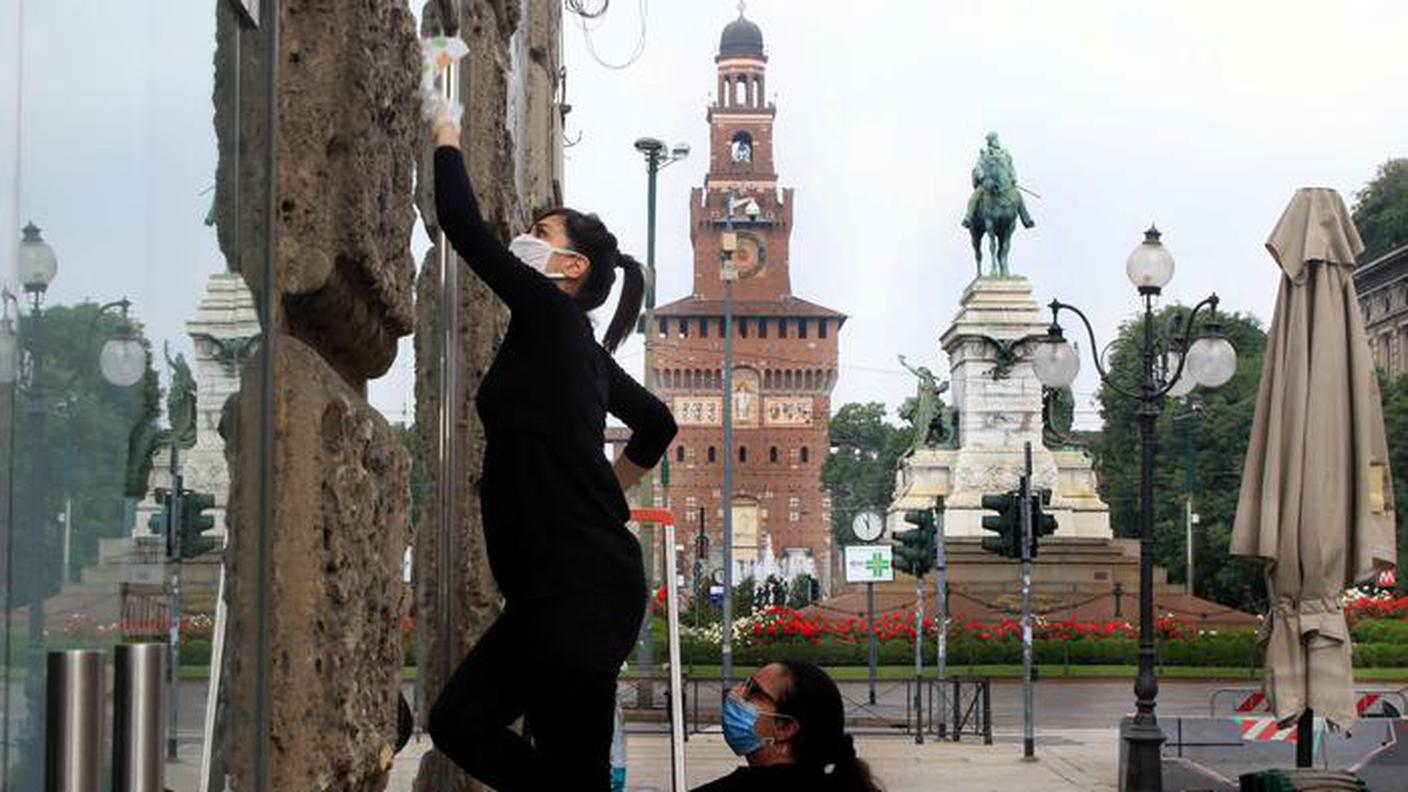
(651, 424)
(518, 285)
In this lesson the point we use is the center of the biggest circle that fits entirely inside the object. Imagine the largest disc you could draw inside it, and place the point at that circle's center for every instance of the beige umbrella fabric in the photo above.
(1316, 499)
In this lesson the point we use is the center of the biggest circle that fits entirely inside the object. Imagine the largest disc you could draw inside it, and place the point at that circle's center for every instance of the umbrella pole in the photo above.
(1305, 739)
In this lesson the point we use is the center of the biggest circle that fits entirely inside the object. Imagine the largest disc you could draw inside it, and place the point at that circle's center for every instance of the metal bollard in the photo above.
(73, 749)
(138, 728)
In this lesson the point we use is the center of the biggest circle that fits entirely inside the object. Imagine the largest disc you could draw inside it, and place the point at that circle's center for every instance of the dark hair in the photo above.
(590, 237)
(811, 698)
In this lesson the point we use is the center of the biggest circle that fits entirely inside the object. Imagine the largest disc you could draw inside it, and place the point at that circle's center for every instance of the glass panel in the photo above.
(128, 338)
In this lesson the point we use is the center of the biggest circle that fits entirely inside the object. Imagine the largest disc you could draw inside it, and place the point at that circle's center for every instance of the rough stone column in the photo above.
(512, 140)
(347, 140)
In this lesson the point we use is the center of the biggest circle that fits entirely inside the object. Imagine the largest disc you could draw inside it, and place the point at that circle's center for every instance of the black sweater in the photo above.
(554, 513)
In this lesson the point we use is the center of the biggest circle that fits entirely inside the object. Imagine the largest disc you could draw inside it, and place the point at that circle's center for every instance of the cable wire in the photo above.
(586, 19)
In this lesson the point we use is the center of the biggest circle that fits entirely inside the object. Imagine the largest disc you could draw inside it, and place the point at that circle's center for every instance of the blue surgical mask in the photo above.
(740, 726)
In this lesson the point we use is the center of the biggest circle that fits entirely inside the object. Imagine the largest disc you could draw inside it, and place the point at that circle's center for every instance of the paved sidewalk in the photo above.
(1074, 760)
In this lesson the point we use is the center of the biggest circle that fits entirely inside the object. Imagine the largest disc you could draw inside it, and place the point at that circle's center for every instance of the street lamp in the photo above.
(122, 361)
(656, 159)
(729, 273)
(1209, 362)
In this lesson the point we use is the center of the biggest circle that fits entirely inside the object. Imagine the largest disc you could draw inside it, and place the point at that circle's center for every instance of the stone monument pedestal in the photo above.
(999, 405)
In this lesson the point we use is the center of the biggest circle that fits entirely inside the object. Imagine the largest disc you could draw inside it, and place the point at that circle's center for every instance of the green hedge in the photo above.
(1380, 631)
(1232, 650)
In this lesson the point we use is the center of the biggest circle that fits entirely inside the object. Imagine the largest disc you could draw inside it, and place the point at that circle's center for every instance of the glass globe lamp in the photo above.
(123, 359)
(1212, 360)
(1150, 265)
(1054, 361)
(37, 263)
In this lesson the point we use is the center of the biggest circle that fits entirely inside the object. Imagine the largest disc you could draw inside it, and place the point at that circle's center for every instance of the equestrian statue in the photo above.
(995, 207)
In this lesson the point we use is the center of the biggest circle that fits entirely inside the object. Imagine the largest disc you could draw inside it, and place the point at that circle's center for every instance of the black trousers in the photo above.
(539, 664)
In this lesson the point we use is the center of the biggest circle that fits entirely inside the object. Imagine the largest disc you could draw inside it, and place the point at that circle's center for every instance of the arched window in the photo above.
(772, 455)
(762, 328)
(741, 147)
(679, 453)
(713, 455)
(742, 454)
(684, 328)
(740, 92)
(821, 328)
(805, 455)
(801, 328)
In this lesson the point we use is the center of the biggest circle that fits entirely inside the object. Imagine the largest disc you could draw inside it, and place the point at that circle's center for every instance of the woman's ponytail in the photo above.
(811, 697)
(628, 307)
(590, 237)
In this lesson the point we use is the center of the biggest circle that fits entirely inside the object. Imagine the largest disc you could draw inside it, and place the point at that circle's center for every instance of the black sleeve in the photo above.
(651, 424)
(519, 286)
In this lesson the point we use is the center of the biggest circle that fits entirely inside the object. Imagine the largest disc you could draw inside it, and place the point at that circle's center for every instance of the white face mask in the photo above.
(535, 253)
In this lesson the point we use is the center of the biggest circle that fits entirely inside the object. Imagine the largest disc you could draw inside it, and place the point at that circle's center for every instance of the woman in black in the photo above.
(788, 721)
(553, 505)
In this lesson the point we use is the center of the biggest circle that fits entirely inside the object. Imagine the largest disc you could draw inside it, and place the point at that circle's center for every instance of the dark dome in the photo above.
(741, 37)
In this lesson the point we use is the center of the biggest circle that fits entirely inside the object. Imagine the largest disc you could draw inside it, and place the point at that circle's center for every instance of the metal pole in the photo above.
(447, 444)
(1305, 738)
(941, 616)
(75, 701)
(919, 659)
(174, 529)
(645, 692)
(726, 648)
(68, 532)
(1028, 726)
(137, 764)
(870, 606)
(1188, 538)
(677, 775)
(1143, 735)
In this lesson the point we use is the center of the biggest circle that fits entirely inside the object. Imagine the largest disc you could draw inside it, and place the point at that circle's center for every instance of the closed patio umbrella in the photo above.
(1316, 500)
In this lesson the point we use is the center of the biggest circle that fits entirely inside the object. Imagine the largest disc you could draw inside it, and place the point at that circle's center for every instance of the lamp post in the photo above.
(1210, 361)
(729, 274)
(656, 159)
(122, 362)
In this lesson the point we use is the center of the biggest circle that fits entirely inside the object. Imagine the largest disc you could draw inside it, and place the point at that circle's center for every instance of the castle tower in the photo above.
(785, 348)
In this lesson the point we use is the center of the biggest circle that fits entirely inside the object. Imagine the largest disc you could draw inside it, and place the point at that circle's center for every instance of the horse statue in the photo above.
(994, 207)
(995, 219)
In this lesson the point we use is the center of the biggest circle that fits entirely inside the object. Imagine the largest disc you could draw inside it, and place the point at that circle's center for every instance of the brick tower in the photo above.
(785, 348)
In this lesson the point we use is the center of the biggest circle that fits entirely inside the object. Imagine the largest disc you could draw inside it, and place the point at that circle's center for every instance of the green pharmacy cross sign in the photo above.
(869, 563)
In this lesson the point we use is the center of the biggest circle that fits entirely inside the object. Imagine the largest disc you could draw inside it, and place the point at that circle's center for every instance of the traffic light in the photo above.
(1043, 524)
(916, 548)
(1007, 524)
(194, 523)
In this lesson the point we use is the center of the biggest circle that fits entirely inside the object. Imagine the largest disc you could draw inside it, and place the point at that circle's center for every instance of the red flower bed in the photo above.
(1380, 607)
(777, 625)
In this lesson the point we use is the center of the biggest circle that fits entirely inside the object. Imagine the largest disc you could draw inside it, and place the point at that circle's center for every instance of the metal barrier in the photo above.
(1369, 702)
(968, 702)
(76, 699)
(138, 719)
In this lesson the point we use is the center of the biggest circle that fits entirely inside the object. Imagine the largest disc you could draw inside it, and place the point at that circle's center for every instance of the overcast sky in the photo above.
(1200, 116)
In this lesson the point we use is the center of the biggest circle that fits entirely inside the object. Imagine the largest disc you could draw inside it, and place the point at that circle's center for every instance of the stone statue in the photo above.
(995, 206)
(181, 402)
(929, 425)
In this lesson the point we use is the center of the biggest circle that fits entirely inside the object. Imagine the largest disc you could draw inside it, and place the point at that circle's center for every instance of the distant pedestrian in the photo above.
(789, 722)
(553, 506)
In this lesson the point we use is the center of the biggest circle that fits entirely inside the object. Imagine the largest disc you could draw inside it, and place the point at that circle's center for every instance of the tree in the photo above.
(1381, 209)
(859, 471)
(73, 430)
(1206, 433)
(1395, 400)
